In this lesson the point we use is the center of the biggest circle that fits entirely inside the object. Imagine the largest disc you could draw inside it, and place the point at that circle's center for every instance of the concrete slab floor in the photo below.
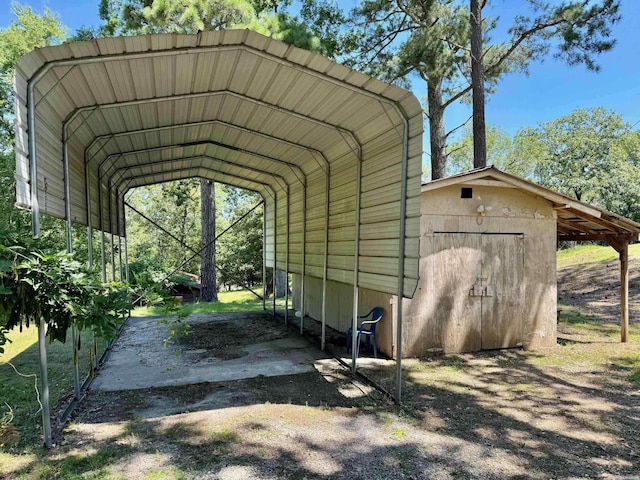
(139, 359)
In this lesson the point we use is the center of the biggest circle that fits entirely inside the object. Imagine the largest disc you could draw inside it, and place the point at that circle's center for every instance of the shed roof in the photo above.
(334, 153)
(577, 221)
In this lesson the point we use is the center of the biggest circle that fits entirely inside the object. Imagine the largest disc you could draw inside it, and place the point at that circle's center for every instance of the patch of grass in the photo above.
(632, 364)
(450, 363)
(635, 370)
(95, 465)
(18, 390)
(228, 302)
(589, 254)
(172, 473)
(574, 321)
(224, 436)
(400, 433)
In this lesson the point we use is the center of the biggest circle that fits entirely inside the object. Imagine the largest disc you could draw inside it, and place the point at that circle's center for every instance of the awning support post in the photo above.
(103, 259)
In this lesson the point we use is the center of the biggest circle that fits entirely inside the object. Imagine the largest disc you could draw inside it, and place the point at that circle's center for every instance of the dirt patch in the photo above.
(593, 292)
(314, 389)
(226, 339)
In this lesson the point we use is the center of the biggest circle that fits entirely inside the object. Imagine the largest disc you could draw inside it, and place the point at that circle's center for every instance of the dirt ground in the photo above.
(572, 411)
(594, 291)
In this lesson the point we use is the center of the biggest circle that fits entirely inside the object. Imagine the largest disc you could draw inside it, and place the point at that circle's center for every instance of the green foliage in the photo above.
(56, 289)
(399, 41)
(591, 254)
(503, 152)
(175, 206)
(233, 301)
(591, 155)
(316, 29)
(27, 31)
(239, 251)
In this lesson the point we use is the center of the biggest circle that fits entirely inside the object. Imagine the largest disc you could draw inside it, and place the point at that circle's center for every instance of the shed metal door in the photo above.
(478, 290)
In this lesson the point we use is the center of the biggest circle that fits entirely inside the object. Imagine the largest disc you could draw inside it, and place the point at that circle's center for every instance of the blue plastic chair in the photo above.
(368, 329)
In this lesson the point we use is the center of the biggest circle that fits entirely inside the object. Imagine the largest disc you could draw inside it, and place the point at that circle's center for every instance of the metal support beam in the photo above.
(75, 335)
(356, 265)
(401, 254)
(304, 255)
(113, 258)
(199, 252)
(325, 265)
(44, 385)
(275, 248)
(103, 258)
(264, 254)
(286, 262)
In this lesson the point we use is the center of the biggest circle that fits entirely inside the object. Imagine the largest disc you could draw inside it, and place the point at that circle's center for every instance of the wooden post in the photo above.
(624, 292)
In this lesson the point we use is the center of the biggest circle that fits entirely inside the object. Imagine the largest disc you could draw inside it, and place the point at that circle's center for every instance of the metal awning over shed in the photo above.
(576, 221)
(335, 154)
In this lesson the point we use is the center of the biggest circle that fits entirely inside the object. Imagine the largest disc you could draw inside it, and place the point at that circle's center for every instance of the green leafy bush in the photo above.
(56, 289)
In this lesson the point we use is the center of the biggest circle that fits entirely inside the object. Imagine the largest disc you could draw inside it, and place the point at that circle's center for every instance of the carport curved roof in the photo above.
(335, 154)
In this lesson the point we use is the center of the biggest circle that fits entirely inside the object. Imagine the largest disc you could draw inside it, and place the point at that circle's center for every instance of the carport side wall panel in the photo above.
(340, 308)
(512, 211)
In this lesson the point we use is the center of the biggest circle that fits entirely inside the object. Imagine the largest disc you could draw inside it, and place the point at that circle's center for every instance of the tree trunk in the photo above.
(281, 283)
(477, 84)
(209, 292)
(437, 135)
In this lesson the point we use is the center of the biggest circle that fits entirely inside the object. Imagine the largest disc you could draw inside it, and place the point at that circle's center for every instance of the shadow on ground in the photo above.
(509, 414)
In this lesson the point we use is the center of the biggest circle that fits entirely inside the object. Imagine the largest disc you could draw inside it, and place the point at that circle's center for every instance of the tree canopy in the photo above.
(591, 155)
(429, 40)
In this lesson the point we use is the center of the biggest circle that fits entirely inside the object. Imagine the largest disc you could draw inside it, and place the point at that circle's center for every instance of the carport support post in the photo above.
(44, 385)
(275, 247)
(356, 266)
(304, 253)
(286, 263)
(264, 253)
(102, 257)
(67, 214)
(401, 254)
(624, 292)
(113, 258)
(35, 229)
(103, 262)
(94, 345)
(126, 253)
(325, 265)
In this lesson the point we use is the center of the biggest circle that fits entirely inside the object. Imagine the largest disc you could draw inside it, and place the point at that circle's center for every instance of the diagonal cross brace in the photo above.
(198, 252)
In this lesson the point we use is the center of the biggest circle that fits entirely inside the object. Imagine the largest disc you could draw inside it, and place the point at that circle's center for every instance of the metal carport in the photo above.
(335, 154)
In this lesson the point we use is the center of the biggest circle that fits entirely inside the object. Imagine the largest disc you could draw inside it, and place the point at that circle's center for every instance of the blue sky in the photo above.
(551, 90)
